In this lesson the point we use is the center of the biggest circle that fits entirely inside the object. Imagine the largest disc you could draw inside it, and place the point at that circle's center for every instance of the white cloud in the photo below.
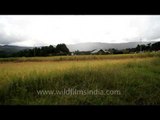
(53, 29)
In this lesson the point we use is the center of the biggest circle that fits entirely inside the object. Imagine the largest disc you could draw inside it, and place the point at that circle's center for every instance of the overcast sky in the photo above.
(34, 30)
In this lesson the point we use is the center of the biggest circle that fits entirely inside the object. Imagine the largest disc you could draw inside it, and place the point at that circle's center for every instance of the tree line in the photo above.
(143, 48)
(139, 48)
(60, 49)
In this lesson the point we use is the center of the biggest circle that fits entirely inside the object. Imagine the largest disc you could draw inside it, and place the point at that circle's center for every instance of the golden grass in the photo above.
(79, 57)
(9, 70)
(134, 76)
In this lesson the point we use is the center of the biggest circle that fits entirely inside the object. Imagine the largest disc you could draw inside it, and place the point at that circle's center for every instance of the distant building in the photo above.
(72, 53)
(100, 52)
(107, 52)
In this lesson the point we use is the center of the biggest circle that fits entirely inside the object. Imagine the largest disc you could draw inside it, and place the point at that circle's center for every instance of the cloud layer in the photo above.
(70, 29)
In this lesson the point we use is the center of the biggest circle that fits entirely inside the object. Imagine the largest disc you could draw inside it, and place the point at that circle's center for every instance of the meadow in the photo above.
(135, 76)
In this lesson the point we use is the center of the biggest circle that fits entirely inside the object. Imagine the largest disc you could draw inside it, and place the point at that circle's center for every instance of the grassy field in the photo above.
(131, 79)
(79, 57)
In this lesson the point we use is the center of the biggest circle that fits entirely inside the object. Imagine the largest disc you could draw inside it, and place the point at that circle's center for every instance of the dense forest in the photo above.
(143, 48)
(60, 49)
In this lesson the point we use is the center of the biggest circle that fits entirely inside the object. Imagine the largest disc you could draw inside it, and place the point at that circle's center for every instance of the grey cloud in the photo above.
(135, 39)
(153, 28)
(150, 31)
(154, 36)
(8, 39)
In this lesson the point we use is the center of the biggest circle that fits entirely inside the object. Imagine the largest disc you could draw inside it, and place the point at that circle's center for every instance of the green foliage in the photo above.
(148, 47)
(60, 49)
(145, 48)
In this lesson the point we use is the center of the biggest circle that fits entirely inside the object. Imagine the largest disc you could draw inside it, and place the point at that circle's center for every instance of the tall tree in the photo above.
(62, 48)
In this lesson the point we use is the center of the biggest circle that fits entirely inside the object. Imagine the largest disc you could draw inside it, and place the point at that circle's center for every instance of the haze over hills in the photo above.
(9, 49)
(98, 45)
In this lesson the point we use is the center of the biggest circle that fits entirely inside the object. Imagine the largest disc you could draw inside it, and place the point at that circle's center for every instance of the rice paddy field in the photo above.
(127, 79)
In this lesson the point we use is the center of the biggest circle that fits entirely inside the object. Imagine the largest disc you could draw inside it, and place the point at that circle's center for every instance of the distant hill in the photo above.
(9, 49)
(98, 45)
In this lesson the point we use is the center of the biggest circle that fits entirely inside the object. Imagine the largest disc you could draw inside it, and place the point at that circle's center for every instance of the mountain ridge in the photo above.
(100, 45)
